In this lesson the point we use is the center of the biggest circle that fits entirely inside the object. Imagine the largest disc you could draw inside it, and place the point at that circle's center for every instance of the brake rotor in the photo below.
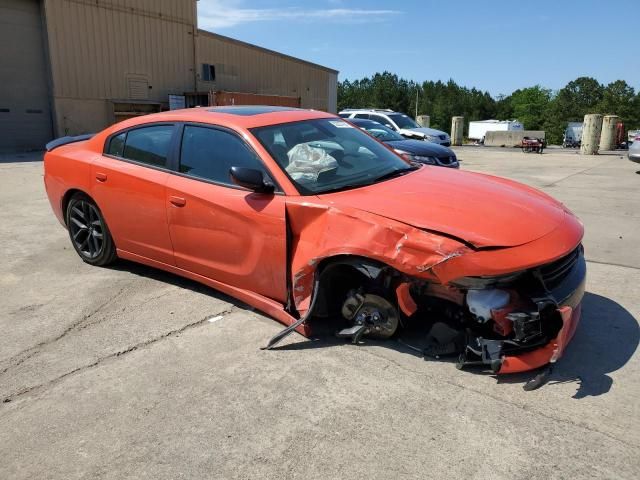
(379, 317)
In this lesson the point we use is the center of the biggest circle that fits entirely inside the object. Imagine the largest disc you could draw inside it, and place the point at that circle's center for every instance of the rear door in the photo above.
(129, 186)
(219, 230)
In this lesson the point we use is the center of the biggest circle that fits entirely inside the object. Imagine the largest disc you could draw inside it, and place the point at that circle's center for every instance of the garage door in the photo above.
(25, 117)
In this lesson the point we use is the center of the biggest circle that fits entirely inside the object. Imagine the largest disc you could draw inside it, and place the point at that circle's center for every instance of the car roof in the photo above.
(367, 110)
(246, 116)
(235, 118)
(249, 110)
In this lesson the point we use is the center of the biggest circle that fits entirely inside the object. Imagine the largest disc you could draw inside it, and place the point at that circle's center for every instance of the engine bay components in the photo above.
(482, 302)
(486, 352)
(526, 325)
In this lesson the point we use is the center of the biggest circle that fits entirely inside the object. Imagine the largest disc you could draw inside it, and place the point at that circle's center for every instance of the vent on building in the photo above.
(208, 72)
(138, 86)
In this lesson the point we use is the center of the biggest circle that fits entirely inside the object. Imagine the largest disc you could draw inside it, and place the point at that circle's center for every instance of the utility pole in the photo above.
(417, 96)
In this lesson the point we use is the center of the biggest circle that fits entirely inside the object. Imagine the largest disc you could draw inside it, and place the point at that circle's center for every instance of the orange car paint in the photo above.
(132, 198)
(406, 303)
(234, 240)
(549, 353)
(230, 235)
(431, 197)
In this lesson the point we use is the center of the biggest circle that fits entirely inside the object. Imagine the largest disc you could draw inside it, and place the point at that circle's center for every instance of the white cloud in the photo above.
(218, 14)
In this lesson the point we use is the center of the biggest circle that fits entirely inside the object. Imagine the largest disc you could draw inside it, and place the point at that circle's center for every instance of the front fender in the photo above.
(319, 231)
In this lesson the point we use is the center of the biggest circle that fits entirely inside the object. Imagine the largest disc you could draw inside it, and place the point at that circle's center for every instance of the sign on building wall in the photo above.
(176, 102)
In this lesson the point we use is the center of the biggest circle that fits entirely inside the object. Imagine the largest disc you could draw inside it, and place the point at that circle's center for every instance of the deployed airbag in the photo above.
(307, 162)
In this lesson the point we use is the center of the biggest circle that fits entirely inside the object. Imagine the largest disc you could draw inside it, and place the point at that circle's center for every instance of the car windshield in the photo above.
(403, 121)
(326, 155)
(379, 131)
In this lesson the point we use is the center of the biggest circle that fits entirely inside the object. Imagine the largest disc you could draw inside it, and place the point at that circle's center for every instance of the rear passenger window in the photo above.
(149, 145)
(362, 115)
(116, 145)
(210, 153)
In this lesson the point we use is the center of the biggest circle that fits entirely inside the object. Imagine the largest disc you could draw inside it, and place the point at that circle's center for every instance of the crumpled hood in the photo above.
(482, 210)
(422, 131)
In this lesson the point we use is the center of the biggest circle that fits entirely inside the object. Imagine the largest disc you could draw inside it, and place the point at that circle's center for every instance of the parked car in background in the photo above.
(401, 123)
(304, 216)
(413, 150)
(634, 150)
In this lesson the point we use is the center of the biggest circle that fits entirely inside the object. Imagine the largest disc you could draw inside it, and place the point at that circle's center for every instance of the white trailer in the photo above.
(478, 129)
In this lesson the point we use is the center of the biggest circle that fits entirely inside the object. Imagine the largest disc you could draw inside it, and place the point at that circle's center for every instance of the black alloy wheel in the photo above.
(89, 232)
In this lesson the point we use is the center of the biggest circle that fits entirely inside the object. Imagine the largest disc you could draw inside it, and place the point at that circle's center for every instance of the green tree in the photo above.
(383, 90)
(579, 97)
(619, 99)
(530, 106)
(439, 100)
(536, 107)
(504, 108)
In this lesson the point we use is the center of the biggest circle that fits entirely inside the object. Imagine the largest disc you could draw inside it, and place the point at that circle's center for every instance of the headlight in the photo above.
(416, 158)
(406, 155)
(430, 138)
(429, 160)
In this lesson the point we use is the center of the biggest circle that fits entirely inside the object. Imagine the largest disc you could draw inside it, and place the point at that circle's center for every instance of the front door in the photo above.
(219, 230)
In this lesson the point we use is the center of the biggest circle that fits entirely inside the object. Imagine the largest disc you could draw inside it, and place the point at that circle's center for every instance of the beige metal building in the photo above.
(75, 66)
(243, 67)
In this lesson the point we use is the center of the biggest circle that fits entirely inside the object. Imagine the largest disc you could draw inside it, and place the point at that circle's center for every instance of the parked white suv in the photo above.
(401, 123)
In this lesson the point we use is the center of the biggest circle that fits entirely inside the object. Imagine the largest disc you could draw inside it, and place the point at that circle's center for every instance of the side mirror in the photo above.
(252, 179)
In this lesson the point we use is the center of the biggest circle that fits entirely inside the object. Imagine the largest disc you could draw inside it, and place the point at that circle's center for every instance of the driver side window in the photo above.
(209, 153)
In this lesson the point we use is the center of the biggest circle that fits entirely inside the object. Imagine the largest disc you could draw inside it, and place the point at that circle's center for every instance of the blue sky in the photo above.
(497, 46)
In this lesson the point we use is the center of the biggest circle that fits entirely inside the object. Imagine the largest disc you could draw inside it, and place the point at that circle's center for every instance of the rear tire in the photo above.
(88, 231)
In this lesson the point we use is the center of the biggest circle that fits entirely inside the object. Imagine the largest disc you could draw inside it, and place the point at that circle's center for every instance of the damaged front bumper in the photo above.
(559, 304)
(552, 351)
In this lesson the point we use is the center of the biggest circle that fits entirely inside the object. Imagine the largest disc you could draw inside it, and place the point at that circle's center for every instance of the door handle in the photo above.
(177, 201)
(101, 177)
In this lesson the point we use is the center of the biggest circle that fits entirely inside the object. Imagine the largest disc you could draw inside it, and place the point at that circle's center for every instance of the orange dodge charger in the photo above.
(301, 215)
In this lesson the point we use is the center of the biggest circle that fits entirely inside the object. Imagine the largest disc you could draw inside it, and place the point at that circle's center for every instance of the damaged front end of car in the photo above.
(383, 277)
(508, 323)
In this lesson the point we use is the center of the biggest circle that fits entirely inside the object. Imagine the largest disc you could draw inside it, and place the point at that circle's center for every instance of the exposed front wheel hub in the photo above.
(369, 315)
